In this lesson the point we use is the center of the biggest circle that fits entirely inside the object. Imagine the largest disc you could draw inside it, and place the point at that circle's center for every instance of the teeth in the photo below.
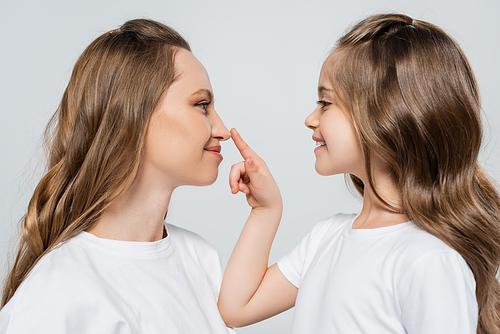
(320, 143)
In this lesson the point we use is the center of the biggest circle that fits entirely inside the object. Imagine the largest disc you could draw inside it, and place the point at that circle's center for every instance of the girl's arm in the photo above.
(251, 291)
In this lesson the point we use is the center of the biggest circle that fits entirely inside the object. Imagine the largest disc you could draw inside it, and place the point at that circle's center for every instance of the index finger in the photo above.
(245, 151)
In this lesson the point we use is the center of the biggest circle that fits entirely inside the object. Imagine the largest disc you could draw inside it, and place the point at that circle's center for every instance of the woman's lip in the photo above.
(215, 150)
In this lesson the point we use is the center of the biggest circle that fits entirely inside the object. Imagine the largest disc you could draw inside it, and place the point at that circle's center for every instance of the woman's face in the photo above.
(182, 141)
(338, 149)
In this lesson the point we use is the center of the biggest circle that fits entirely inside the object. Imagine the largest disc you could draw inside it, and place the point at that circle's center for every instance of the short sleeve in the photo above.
(293, 265)
(437, 295)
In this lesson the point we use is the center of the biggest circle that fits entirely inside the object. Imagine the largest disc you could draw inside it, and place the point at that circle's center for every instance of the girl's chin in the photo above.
(321, 171)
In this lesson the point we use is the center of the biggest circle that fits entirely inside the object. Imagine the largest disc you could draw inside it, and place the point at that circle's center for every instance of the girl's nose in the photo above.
(312, 121)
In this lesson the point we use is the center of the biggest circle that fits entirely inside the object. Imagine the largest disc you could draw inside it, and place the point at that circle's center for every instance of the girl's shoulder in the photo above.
(406, 237)
(420, 243)
(331, 227)
(333, 224)
(421, 256)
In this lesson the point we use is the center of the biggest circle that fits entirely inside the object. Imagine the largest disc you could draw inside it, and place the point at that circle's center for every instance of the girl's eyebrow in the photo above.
(323, 88)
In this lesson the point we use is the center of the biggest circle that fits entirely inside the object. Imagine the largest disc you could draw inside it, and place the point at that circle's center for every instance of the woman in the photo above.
(136, 121)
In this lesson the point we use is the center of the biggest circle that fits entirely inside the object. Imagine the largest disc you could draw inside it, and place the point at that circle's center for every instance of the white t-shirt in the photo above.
(92, 285)
(396, 279)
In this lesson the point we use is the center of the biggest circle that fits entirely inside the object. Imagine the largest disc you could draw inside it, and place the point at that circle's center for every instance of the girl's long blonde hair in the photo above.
(95, 138)
(414, 102)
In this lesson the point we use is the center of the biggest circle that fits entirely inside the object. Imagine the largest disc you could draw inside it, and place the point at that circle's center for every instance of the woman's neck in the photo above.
(137, 215)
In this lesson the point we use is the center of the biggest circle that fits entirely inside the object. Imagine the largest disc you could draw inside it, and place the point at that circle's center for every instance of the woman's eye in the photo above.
(203, 106)
(323, 104)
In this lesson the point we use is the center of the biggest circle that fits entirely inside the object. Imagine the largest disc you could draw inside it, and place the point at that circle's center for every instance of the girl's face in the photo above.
(338, 149)
(182, 140)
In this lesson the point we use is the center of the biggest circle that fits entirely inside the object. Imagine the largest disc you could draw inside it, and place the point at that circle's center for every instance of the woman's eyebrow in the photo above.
(204, 91)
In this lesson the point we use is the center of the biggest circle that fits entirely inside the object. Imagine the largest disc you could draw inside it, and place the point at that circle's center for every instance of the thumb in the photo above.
(250, 167)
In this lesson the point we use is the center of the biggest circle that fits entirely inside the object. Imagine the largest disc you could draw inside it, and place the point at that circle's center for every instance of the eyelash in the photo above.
(203, 105)
(323, 104)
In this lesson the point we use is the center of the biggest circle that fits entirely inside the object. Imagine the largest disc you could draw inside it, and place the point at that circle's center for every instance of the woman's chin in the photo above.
(207, 180)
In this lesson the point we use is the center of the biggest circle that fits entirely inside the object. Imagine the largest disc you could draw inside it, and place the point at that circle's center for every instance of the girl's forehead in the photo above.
(326, 73)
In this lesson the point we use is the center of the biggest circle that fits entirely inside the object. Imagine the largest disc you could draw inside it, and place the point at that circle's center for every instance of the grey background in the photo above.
(263, 58)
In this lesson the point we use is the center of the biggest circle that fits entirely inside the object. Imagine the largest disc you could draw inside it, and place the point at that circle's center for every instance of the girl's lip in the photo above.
(317, 139)
(317, 148)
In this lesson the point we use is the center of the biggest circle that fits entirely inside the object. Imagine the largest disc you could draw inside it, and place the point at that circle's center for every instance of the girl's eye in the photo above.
(323, 104)
(203, 106)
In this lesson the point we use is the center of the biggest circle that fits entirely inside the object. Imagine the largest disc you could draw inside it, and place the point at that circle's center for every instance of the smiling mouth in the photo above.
(320, 143)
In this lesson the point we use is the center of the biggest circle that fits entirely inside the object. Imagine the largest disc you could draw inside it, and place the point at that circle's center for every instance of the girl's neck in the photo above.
(374, 213)
(137, 215)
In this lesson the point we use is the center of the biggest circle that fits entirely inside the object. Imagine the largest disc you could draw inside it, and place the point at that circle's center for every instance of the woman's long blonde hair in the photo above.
(414, 102)
(95, 138)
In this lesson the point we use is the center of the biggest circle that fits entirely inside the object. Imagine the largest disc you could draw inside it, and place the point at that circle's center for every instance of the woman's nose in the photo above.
(219, 130)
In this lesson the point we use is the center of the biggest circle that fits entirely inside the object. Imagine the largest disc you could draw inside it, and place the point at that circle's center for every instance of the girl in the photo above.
(399, 112)
(135, 122)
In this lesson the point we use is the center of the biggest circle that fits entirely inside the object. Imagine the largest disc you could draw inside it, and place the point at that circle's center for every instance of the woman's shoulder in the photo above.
(59, 287)
(190, 241)
(177, 232)
(192, 248)
(66, 267)
(63, 261)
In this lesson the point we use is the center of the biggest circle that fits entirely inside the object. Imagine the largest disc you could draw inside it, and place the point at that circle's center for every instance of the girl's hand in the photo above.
(253, 178)
(250, 291)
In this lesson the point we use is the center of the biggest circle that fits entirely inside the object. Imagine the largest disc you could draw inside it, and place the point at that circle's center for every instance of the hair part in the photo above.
(95, 138)
(414, 102)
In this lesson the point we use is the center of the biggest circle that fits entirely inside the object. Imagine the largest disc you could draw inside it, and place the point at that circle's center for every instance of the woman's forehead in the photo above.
(192, 75)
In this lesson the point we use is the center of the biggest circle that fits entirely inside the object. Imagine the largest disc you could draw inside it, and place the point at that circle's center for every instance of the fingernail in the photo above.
(250, 163)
